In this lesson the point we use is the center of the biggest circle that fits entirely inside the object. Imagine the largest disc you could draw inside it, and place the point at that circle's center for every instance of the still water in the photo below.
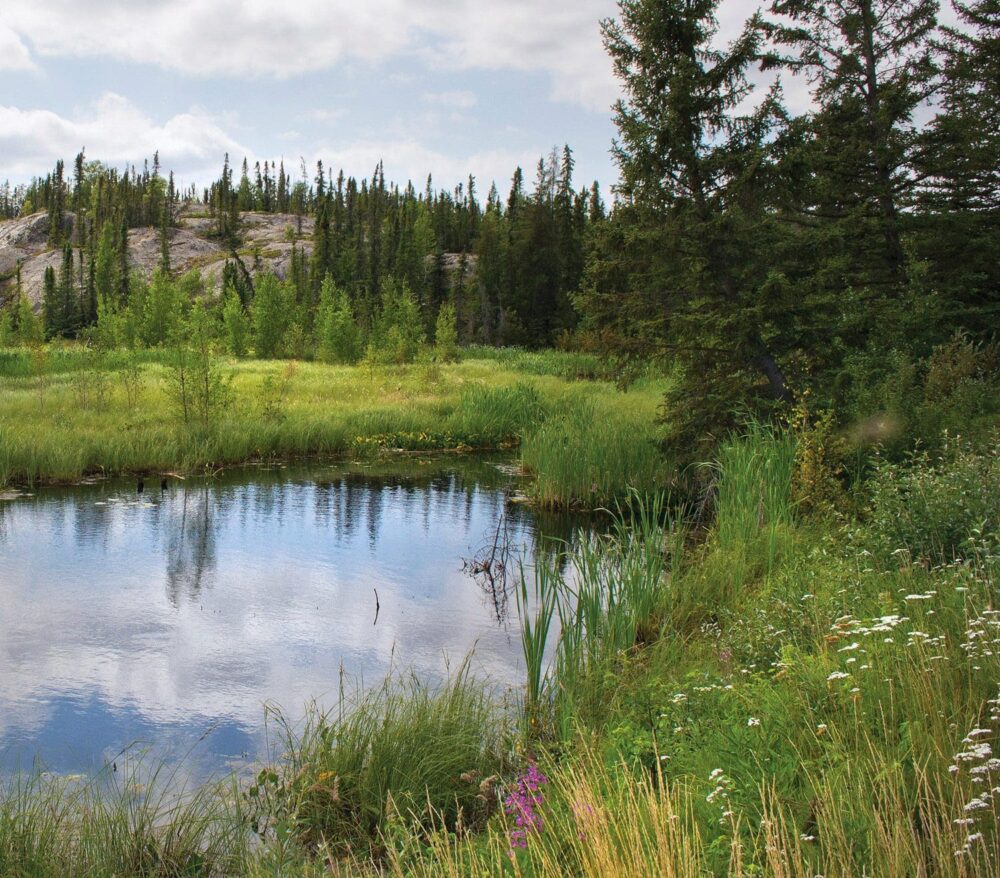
(165, 621)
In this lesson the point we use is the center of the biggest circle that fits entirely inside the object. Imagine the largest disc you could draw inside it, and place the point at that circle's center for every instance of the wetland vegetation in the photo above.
(771, 368)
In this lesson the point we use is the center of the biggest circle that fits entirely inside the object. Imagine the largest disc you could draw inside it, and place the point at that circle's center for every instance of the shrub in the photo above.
(446, 334)
(338, 338)
(398, 331)
(936, 509)
(237, 325)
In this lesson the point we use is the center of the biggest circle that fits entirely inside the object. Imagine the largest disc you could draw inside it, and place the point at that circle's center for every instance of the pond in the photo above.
(165, 621)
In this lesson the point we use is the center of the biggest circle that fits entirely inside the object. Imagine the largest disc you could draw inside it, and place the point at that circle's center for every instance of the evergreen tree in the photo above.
(958, 234)
(106, 263)
(68, 321)
(681, 273)
(870, 64)
(446, 334)
(50, 304)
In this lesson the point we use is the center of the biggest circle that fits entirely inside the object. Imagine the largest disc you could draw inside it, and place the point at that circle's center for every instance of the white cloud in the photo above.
(327, 115)
(116, 131)
(408, 159)
(14, 55)
(243, 38)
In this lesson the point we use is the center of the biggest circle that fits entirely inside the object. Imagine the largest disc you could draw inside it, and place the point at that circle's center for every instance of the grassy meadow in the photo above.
(69, 413)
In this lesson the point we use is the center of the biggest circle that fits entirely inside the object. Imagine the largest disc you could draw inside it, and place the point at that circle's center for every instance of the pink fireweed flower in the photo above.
(523, 803)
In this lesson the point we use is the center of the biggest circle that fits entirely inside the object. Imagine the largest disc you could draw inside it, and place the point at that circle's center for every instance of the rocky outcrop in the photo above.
(267, 246)
(268, 241)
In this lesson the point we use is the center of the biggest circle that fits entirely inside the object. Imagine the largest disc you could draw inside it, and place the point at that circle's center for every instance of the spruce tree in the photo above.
(958, 230)
(870, 64)
(51, 310)
(681, 272)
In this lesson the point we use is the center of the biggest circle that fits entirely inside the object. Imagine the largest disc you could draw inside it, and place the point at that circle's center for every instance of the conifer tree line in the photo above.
(506, 267)
(757, 249)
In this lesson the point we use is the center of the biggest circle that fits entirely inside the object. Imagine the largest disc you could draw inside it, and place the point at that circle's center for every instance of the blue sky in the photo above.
(450, 87)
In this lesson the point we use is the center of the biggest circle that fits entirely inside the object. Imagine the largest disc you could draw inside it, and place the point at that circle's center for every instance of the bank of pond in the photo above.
(773, 687)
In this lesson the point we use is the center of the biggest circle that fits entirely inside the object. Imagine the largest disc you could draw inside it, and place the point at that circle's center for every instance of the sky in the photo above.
(447, 87)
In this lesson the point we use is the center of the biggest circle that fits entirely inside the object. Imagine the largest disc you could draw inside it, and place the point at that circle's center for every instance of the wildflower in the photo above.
(837, 675)
(522, 803)
(753, 721)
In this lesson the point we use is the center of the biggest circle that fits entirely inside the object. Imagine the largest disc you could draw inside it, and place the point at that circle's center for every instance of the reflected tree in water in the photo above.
(191, 545)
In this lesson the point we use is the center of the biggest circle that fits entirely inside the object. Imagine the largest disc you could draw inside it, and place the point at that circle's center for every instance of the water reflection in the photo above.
(190, 545)
(164, 617)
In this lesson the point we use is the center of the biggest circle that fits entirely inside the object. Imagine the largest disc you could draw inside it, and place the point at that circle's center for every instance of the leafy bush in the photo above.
(892, 400)
(337, 334)
(936, 509)
(398, 331)
(446, 334)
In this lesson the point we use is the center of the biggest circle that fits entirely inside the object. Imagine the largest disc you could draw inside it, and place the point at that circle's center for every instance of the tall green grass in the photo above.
(404, 751)
(604, 596)
(126, 823)
(499, 415)
(588, 455)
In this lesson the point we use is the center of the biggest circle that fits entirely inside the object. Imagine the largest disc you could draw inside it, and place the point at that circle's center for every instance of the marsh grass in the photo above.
(405, 751)
(603, 594)
(133, 822)
(587, 454)
(83, 413)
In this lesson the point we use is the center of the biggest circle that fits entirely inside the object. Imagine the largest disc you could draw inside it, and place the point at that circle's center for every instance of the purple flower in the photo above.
(523, 803)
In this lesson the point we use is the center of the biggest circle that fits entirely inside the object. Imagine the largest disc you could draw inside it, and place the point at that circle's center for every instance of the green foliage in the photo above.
(935, 509)
(754, 484)
(129, 824)
(197, 387)
(269, 316)
(6, 328)
(163, 308)
(604, 594)
(581, 458)
(337, 334)
(500, 415)
(893, 401)
(397, 334)
(446, 334)
(236, 325)
(29, 329)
